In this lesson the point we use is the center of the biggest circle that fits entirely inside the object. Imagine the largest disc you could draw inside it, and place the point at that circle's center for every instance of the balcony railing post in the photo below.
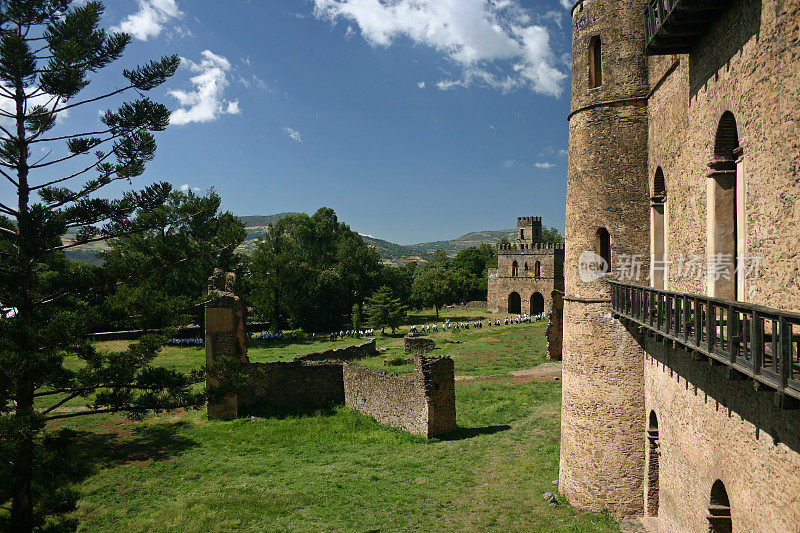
(698, 323)
(711, 325)
(733, 333)
(686, 317)
(757, 342)
(785, 350)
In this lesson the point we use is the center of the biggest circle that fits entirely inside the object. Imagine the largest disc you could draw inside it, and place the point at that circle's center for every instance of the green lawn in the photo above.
(340, 470)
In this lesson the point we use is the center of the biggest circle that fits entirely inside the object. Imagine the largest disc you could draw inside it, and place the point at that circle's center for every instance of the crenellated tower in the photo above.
(602, 415)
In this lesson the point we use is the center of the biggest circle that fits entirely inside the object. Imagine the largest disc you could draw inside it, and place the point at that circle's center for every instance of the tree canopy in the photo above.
(309, 271)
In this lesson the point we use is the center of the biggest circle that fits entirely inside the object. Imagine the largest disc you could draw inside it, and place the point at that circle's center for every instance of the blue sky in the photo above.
(415, 120)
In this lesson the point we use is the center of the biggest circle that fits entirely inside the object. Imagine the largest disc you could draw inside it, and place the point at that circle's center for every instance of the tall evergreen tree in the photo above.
(48, 51)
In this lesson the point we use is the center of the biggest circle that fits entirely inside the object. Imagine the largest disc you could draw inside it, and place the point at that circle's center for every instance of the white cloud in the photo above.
(567, 4)
(149, 21)
(421, 85)
(476, 35)
(205, 103)
(41, 98)
(185, 188)
(293, 134)
(544, 165)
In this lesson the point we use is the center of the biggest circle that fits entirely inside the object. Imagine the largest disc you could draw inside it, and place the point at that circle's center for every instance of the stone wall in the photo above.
(741, 66)
(292, 386)
(555, 327)
(501, 283)
(348, 353)
(710, 428)
(422, 403)
(423, 345)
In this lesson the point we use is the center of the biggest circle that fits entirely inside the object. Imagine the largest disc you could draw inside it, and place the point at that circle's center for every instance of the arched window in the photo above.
(653, 452)
(595, 62)
(719, 509)
(603, 246)
(658, 245)
(514, 303)
(726, 212)
(514, 269)
(537, 269)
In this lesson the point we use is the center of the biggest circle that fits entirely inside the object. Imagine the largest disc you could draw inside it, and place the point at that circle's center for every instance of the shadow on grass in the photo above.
(157, 442)
(468, 433)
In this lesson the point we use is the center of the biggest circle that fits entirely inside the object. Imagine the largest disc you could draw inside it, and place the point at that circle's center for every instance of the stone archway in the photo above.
(514, 303)
(537, 303)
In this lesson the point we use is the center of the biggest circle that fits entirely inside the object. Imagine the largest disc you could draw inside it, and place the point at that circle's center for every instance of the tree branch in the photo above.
(95, 99)
(60, 403)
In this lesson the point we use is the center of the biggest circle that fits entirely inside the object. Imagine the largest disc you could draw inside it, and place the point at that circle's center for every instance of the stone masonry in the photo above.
(678, 156)
(422, 403)
(527, 272)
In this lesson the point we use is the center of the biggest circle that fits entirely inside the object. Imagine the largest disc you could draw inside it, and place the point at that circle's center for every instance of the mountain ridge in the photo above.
(391, 253)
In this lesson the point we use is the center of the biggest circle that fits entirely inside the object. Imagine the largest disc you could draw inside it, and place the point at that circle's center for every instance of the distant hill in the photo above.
(392, 253)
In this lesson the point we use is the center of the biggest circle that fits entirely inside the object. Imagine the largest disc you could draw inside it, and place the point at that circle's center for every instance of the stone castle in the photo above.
(527, 272)
(681, 373)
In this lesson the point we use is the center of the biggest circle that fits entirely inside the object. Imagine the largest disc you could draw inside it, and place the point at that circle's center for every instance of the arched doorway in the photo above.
(719, 509)
(653, 453)
(537, 303)
(514, 303)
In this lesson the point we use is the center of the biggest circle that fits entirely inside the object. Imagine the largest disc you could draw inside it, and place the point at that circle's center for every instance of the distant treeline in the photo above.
(310, 272)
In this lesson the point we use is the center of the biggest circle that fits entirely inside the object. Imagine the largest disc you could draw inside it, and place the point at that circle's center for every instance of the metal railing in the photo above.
(759, 342)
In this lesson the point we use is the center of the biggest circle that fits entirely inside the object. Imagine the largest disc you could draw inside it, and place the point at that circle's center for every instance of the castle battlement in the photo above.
(523, 248)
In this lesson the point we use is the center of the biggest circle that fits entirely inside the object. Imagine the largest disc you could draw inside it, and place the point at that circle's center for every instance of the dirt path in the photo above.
(543, 372)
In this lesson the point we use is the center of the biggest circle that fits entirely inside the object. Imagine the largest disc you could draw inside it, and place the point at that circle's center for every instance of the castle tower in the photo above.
(529, 230)
(602, 414)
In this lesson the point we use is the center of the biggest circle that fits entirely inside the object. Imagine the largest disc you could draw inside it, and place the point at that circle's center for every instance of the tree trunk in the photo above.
(22, 499)
(436, 307)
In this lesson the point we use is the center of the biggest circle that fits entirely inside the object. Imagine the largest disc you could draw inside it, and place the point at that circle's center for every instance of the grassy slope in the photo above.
(340, 470)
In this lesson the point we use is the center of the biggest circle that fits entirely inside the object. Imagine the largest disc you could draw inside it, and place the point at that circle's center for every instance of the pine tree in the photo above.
(48, 51)
(385, 310)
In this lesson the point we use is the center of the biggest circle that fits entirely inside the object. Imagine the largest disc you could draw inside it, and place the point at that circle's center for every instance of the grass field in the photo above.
(340, 470)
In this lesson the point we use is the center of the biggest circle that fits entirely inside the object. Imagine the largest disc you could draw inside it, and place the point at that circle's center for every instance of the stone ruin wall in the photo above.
(292, 386)
(423, 345)
(347, 353)
(422, 403)
(710, 428)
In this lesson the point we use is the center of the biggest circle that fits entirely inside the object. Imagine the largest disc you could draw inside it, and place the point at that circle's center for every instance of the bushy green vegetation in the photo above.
(340, 470)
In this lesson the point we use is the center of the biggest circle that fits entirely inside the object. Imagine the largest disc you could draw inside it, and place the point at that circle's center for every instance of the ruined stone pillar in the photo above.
(225, 337)
(555, 328)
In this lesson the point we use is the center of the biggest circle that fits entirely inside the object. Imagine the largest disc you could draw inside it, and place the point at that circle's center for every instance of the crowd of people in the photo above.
(416, 329)
(426, 329)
